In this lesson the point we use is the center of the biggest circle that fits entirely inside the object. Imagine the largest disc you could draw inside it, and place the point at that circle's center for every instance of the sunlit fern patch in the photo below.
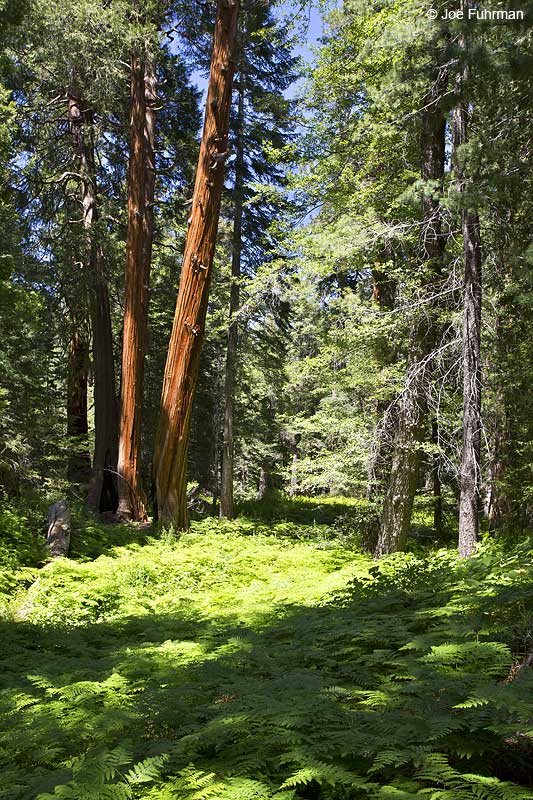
(237, 662)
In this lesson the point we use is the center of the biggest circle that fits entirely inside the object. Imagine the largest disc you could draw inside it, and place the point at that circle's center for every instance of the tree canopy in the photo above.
(265, 309)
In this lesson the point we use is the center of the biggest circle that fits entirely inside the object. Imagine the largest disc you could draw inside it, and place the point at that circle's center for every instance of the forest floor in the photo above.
(265, 659)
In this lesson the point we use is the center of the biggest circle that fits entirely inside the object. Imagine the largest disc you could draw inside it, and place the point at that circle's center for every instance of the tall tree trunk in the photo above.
(294, 474)
(150, 101)
(181, 371)
(141, 182)
(102, 491)
(498, 504)
(226, 489)
(399, 498)
(79, 460)
(378, 465)
(436, 481)
(264, 481)
(470, 458)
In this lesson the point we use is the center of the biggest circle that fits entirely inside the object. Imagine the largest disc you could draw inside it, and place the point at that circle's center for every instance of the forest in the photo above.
(266, 427)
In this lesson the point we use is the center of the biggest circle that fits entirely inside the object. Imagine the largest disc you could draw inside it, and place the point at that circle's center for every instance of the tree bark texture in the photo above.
(141, 183)
(226, 489)
(181, 371)
(499, 504)
(150, 102)
(436, 482)
(58, 533)
(264, 481)
(379, 462)
(399, 498)
(411, 412)
(470, 458)
(102, 491)
(79, 460)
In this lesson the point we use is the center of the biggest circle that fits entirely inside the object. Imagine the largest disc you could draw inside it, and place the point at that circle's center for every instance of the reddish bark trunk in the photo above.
(170, 458)
(141, 183)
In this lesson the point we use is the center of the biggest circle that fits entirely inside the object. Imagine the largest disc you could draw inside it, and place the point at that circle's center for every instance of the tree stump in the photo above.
(58, 535)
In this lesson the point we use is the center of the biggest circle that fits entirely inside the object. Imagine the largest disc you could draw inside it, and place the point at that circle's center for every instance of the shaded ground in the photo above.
(235, 663)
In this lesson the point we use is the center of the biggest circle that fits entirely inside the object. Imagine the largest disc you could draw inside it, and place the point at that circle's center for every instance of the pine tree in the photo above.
(411, 414)
(471, 342)
(260, 132)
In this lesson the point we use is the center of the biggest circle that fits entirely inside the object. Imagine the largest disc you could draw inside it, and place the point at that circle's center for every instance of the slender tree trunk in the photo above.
(264, 481)
(399, 498)
(226, 489)
(470, 459)
(79, 460)
(498, 505)
(141, 182)
(436, 481)
(170, 459)
(150, 101)
(102, 491)
(103, 494)
(378, 466)
(294, 473)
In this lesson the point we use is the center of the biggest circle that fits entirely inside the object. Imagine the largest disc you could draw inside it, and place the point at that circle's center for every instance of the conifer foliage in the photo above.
(276, 372)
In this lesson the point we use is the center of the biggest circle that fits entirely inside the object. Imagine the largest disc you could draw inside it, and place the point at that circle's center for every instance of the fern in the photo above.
(146, 771)
(187, 670)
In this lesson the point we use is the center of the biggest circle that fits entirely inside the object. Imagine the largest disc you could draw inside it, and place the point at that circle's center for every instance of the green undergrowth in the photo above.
(319, 510)
(22, 551)
(245, 660)
(23, 524)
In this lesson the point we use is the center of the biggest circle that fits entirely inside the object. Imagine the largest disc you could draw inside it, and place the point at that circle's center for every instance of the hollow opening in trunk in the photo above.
(109, 494)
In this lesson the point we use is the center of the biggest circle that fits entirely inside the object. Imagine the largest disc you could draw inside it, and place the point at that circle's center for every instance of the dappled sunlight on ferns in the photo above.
(224, 664)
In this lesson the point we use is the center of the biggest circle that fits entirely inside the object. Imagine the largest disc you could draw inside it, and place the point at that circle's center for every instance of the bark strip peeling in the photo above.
(141, 184)
(170, 458)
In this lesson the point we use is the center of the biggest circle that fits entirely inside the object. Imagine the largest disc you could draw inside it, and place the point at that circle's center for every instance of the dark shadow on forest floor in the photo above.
(319, 510)
(404, 682)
